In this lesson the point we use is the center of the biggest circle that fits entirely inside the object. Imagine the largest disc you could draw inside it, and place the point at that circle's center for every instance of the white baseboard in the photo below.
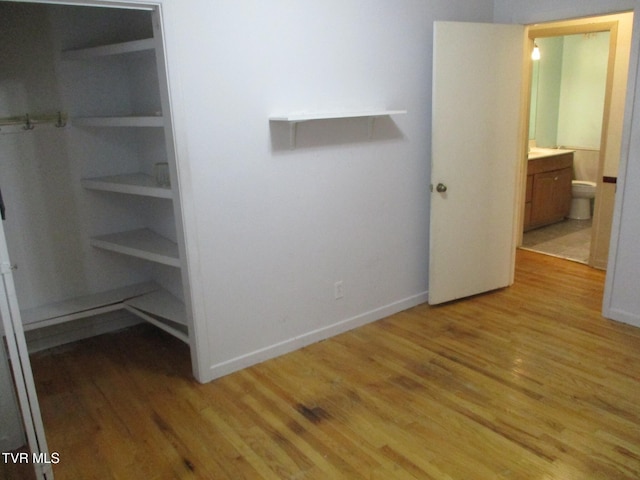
(622, 316)
(281, 348)
(57, 335)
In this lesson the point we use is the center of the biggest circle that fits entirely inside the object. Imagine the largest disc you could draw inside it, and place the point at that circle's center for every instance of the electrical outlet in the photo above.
(338, 290)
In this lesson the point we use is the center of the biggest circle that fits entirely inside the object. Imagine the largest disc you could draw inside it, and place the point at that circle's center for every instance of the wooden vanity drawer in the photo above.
(546, 164)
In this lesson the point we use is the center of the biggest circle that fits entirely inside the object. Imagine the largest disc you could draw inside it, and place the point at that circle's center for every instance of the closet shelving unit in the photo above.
(148, 300)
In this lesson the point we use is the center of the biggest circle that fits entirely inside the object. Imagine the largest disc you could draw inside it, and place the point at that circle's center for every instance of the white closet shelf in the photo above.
(162, 304)
(132, 183)
(107, 50)
(156, 307)
(297, 117)
(146, 300)
(120, 121)
(142, 243)
(83, 306)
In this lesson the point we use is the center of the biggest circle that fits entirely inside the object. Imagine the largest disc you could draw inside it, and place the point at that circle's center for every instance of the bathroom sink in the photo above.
(546, 152)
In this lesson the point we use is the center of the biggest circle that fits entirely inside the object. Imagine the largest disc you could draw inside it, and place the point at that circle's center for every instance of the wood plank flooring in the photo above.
(529, 382)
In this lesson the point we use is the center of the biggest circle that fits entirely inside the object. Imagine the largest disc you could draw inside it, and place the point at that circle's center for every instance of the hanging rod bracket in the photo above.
(28, 125)
(28, 122)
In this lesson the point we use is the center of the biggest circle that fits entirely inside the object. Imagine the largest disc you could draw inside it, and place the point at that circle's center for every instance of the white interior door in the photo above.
(476, 149)
(21, 367)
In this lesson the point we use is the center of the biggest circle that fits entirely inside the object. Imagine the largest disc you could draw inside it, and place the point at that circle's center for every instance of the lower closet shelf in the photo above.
(163, 310)
(146, 300)
(162, 304)
(141, 243)
(82, 307)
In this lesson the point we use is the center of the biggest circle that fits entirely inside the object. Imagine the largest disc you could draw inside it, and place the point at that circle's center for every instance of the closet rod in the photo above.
(28, 122)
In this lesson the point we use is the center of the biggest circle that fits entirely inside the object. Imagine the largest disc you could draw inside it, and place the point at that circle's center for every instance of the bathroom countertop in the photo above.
(546, 152)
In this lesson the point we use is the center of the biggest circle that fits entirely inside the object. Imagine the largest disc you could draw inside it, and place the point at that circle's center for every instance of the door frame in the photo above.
(18, 354)
(601, 231)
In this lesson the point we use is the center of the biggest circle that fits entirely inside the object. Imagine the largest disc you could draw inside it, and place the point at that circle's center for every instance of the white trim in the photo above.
(608, 310)
(21, 365)
(198, 330)
(295, 343)
(624, 317)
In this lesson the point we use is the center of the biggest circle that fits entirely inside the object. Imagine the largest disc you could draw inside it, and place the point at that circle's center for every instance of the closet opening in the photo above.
(93, 218)
(92, 237)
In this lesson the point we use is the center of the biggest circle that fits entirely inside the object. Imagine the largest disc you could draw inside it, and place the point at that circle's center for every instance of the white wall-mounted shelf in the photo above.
(297, 117)
(123, 48)
(132, 183)
(142, 243)
(120, 121)
(306, 116)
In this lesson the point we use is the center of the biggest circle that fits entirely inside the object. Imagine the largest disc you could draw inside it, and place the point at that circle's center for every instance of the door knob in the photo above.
(441, 188)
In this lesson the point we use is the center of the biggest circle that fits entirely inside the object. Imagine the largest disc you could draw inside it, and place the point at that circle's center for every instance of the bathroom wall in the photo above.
(586, 163)
(570, 90)
(582, 90)
(547, 87)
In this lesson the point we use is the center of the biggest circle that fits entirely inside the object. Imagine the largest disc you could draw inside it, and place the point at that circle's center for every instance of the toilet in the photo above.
(583, 186)
(582, 192)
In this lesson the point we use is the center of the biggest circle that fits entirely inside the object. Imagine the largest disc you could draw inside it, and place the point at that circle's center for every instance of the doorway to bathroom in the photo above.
(577, 96)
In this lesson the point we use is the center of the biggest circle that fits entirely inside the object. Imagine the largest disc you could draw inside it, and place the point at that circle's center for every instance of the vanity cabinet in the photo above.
(548, 191)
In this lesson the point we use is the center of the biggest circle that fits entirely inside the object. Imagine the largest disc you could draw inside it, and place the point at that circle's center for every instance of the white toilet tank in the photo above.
(585, 165)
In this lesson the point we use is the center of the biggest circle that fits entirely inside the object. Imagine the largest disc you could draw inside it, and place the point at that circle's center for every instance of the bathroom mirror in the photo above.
(568, 86)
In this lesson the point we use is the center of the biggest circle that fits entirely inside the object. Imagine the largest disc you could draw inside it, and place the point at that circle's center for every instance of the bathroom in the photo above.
(577, 93)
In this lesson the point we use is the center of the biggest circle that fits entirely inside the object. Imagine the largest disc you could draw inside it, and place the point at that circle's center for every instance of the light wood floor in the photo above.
(529, 382)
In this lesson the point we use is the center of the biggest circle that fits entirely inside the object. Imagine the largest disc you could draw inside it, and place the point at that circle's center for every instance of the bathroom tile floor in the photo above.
(570, 239)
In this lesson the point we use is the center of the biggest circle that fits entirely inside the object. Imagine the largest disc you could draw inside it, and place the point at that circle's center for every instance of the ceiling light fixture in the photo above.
(535, 55)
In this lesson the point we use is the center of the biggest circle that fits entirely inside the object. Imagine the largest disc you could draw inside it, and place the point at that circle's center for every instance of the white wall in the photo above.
(548, 90)
(584, 82)
(275, 228)
(34, 164)
(49, 215)
(571, 88)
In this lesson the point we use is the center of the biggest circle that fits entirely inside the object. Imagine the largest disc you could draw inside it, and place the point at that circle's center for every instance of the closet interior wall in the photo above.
(57, 212)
